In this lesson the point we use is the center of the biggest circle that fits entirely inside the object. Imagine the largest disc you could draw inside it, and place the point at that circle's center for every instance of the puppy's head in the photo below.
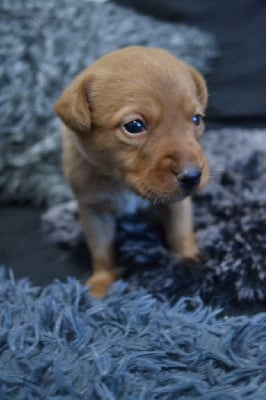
(137, 113)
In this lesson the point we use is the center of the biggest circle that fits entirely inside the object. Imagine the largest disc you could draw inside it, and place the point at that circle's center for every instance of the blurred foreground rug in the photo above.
(58, 343)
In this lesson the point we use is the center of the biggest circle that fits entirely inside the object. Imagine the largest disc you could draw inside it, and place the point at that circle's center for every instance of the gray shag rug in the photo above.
(44, 44)
(59, 343)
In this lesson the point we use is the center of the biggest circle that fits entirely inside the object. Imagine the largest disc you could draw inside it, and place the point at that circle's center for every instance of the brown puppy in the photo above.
(133, 123)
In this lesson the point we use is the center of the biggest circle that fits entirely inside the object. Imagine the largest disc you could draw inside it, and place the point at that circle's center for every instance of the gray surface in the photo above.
(26, 250)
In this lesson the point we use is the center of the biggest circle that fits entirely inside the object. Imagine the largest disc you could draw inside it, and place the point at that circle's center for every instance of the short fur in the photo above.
(107, 166)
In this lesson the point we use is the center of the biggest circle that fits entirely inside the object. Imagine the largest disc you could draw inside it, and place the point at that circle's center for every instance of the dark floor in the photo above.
(24, 248)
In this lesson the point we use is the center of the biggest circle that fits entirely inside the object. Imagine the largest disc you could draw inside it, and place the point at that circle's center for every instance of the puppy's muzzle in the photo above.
(189, 179)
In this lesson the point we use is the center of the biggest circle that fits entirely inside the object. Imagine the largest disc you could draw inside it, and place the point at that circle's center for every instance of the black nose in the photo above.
(189, 179)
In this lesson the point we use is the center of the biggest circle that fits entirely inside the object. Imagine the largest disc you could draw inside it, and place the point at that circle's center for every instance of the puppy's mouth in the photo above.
(161, 197)
(170, 187)
(166, 193)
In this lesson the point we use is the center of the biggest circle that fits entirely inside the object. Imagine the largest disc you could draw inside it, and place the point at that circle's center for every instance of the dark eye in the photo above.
(135, 127)
(197, 119)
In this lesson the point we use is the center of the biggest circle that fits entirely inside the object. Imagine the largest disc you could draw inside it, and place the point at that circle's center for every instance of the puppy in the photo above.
(133, 125)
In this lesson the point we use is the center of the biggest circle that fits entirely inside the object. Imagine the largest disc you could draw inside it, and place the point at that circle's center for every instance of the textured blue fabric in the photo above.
(59, 343)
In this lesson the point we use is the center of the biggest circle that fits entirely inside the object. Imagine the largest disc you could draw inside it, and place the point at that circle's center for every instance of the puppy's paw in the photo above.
(101, 282)
(195, 257)
(188, 260)
(194, 260)
(189, 252)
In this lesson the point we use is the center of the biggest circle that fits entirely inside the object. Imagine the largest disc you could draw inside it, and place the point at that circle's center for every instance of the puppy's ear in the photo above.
(73, 105)
(201, 87)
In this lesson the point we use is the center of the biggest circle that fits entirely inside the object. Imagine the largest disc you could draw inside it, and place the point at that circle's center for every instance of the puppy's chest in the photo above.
(127, 202)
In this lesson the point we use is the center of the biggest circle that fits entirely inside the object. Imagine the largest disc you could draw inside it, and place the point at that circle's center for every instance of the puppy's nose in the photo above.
(189, 179)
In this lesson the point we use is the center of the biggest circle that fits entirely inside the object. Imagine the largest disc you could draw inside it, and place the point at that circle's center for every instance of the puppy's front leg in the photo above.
(178, 222)
(99, 229)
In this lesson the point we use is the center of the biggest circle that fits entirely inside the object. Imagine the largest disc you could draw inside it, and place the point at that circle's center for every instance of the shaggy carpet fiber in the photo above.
(58, 343)
(161, 334)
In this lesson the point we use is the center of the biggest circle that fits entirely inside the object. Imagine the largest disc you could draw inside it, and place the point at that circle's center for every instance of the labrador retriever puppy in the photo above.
(133, 122)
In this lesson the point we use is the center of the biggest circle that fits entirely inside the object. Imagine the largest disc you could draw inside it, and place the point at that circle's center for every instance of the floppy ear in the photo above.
(73, 105)
(201, 87)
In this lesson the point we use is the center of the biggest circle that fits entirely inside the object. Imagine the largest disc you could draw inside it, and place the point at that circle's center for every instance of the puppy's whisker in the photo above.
(210, 186)
(215, 170)
(213, 177)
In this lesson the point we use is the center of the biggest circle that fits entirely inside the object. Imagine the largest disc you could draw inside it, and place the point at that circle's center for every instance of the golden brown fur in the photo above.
(106, 164)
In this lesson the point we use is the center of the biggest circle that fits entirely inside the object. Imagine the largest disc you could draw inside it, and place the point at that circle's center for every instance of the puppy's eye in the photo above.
(197, 118)
(135, 127)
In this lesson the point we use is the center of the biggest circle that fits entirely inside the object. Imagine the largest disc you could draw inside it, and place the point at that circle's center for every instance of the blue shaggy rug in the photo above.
(59, 343)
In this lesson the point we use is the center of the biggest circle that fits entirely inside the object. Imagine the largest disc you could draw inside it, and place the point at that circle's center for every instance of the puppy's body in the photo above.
(133, 122)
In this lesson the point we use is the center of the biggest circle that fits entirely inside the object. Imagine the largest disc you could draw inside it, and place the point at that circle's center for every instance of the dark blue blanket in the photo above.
(59, 343)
